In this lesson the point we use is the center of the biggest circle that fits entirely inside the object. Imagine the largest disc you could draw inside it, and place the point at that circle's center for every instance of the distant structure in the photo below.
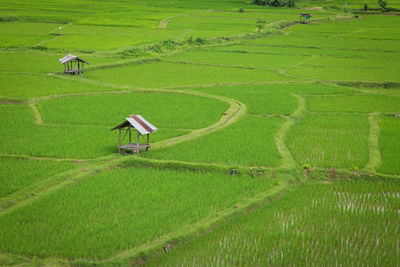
(141, 126)
(72, 64)
(304, 18)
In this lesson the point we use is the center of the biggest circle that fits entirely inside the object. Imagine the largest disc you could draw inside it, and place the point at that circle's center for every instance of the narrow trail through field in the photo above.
(375, 159)
(36, 113)
(41, 158)
(219, 65)
(57, 34)
(288, 161)
(295, 66)
(164, 23)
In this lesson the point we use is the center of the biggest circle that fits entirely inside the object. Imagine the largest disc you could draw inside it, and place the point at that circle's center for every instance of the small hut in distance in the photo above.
(141, 126)
(72, 64)
(304, 18)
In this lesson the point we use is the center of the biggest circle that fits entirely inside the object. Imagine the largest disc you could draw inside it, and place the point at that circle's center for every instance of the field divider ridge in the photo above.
(374, 159)
(235, 111)
(218, 65)
(38, 117)
(164, 22)
(288, 161)
(56, 182)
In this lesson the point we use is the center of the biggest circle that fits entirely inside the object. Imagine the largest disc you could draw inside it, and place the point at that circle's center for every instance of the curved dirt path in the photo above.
(374, 160)
(288, 161)
(164, 23)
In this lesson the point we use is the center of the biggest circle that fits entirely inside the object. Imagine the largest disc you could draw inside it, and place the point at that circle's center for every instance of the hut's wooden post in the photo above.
(137, 144)
(65, 68)
(119, 142)
(130, 134)
(148, 142)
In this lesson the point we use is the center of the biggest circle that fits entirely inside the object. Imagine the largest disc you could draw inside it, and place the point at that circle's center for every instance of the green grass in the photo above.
(269, 62)
(13, 40)
(24, 34)
(27, 61)
(273, 98)
(25, 86)
(314, 42)
(155, 75)
(205, 27)
(343, 222)
(389, 142)
(370, 65)
(248, 142)
(330, 140)
(354, 103)
(23, 28)
(98, 38)
(119, 210)
(260, 99)
(254, 49)
(164, 110)
(346, 74)
(17, 173)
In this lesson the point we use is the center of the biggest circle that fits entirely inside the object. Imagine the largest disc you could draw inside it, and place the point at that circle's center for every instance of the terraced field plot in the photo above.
(97, 229)
(318, 223)
(178, 74)
(330, 140)
(389, 145)
(276, 146)
(231, 146)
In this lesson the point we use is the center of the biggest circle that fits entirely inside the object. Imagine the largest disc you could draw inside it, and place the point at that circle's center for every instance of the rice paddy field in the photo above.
(277, 142)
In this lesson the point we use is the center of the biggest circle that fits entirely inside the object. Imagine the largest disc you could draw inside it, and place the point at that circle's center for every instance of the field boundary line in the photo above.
(288, 161)
(235, 111)
(164, 22)
(217, 65)
(374, 159)
(36, 112)
(40, 158)
(55, 182)
(242, 169)
(52, 32)
(298, 64)
(362, 172)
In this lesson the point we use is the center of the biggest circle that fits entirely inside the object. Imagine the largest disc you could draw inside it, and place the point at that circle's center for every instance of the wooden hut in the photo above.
(72, 64)
(135, 123)
(304, 18)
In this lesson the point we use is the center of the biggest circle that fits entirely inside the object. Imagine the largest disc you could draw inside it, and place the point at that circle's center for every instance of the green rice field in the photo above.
(277, 142)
